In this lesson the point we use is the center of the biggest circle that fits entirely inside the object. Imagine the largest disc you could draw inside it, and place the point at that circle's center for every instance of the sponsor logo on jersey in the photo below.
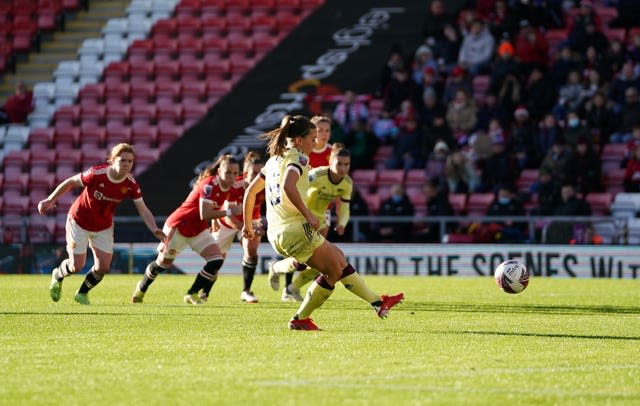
(303, 160)
(101, 185)
(100, 196)
(124, 190)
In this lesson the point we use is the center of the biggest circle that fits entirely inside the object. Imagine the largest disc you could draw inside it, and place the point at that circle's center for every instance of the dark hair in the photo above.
(212, 169)
(339, 150)
(290, 127)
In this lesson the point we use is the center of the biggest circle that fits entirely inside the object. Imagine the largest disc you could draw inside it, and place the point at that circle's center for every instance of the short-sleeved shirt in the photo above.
(322, 191)
(280, 210)
(93, 210)
(320, 158)
(186, 218)
(236, 195)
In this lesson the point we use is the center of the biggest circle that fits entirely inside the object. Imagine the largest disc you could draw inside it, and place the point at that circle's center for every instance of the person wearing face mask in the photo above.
(398, 204)
(575, 130)
(508, 205)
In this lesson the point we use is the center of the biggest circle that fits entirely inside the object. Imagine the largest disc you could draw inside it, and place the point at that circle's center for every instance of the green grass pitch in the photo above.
(453, 341)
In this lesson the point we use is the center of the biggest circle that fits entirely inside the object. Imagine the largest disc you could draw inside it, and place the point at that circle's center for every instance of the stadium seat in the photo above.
(144, 113)
(41, 138)
(92, 135)
(625, 205)
(373, 202)
(93, 156)
(92, 93)
(216, 69)
(168, 93)
(415, 177)
(612, 155)
(613, 181)
(94, 114)
(117, 133)
(144, 135)
(526, 179)
(69, 115)
(13, 228)
(390, 177)
(365, 177)
(116, 111)
(142, 92)
(16, 205)
(382, 154)
(168, 134)
(145, 157)
(116, 92)
(193, 112)
(41, 229)
(633, 231)
(459, 202)
(618, 34)
(478, 203)
(214, 26)
(66, 137)
(600, 203)
(169, 114)
(43, 158)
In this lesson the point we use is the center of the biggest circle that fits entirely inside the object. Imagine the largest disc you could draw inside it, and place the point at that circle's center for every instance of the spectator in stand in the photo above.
(461, 115)
(488, 111)
(504, 80)
(630, 149)
(563, 232)
(350, 111)
(556, 159)
(624, 80)
(546, 14)
(531, 48)
(438, 131)
(503, 66)
(460, 173)
(458, 80)
(362, 144)
(407, 149)
(522, 140)
(430, 82)
(502, 23)
(398, 204)
(435, 20)
(437, 196)
(596, 62)
(632, 173)
(599, 118)
(423, 59)
(430, 108)
(477, 49)
(499, 168)
(628, 13)
(629, 116)
(585, 28)
(633, 49)
(615, 56)
(570, 95)
(395, 62)
(548, 132)
(506, 204)
(407, 111)
(538, 94)
(447, 48)
(584, 168)
(564, 63)
(17, 107)
(575, 131)
(591, 84)
(466, 18)
(400, 88)
(548, 191)
(385, 128)
(437, 161)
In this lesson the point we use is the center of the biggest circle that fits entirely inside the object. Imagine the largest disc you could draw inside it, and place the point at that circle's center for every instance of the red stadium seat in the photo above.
(188, 8)
(116, 92)
(241, 46)
(190, 46)
(526, 179)
(167, 28)
(240, 64)
(66, 137)
(215, 46)
(458, 202)
(92, 135)
(168, 71)
(390, 177)
(238, 7)
(12, 227)
(117, 133)
(17, 160)
(67, 114)
(168, 92)
(286, 21)
(216, 69)
(373, 202)
(91, 93)
(93, 156)
(144, 135)
(43, 158)
(41, 229)
(600, 203)
(118, 111)
(613, 181)
(93, 114)
(168, 134)
(143, 49)
(193, 112)
(238, 25)
(117, 71)
(41, 138)
(290, 6)
(218, 89)
(478, 203)
(170, 114)
(142, 92)
(143, 113)
(16, 205)
(415, 177)
(188, 26)
(214, 26)
(43, 183)
(193, 91)
(612, 155)
(365, 177)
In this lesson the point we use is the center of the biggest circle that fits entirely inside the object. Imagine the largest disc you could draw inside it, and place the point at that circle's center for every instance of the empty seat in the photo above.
(600, 203)
(478, 203)
(92, 135)
(40, 229)
(390, 177)
(144, 135)
(415, 177)
(41, 138)
(43, 158)
(526, 179)
(625, 205)
(459, 202)
(613, 180)
(365, 177)
(143, 113)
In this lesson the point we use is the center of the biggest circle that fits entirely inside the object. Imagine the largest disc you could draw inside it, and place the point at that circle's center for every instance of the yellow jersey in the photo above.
(280, 210)
(322, 191)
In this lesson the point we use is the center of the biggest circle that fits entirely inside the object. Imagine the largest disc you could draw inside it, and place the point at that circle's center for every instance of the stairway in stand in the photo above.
(62, 45)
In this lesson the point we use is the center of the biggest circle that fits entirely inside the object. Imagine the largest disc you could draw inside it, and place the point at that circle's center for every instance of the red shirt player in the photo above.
(320, 154)
(90, 218)
(227, 228)
(189, 225)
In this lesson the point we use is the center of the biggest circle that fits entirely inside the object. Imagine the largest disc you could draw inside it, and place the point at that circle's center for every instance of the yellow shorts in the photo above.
(297, 240)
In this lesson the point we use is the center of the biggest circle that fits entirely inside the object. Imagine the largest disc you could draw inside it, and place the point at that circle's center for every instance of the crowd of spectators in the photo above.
(504, 86)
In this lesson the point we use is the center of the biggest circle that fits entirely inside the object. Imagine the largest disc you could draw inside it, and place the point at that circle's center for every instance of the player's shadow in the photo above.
(546, 335)
(522, 308)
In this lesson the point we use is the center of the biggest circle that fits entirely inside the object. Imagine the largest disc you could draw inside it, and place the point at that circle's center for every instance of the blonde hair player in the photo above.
(225, 229)
(293, 229)
(327, 184)
(90, 218)
(189, 224)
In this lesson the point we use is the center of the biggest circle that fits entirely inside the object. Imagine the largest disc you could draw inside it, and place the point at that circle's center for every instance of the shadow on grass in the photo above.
(546, 335)
(519, 308)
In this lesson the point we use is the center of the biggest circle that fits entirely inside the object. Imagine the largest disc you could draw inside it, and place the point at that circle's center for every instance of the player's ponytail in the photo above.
(290, 127)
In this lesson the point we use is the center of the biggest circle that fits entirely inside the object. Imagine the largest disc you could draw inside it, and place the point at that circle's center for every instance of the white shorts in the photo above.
(225, 236)
(176, 242)
(78, 238)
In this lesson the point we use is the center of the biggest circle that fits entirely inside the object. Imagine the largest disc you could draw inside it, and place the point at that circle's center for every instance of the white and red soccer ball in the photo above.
(512, 276)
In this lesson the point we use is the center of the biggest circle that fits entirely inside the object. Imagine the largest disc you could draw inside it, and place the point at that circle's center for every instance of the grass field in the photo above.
(452, 341)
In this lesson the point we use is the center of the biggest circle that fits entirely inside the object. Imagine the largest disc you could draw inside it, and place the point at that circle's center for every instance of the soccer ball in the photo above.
(512, 276)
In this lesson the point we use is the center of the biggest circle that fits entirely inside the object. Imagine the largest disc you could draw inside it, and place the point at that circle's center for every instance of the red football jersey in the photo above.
(236, 195)
(93, 209)
(186, 218)
(321, 158)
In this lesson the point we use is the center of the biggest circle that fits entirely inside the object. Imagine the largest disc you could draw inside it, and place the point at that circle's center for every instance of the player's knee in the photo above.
(100, 272)
(212, 267)
(154, 268)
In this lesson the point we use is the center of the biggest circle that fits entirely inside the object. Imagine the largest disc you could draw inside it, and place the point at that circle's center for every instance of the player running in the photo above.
(225, 229)
(293, 229)
(90, 218)
(189, 225)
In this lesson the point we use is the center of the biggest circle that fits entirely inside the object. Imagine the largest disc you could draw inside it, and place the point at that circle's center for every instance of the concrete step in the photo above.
(60, 46)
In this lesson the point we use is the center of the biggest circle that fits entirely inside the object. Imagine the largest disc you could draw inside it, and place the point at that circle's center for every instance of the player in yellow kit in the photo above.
(327, 184)
(293, 229)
